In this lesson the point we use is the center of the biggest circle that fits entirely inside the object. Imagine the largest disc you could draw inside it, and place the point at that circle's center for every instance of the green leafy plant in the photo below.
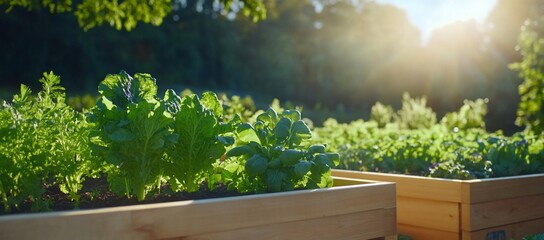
(126, 13)
(530, 111)
(202, 141)
(514, 155)
(414, 113)
(243, 107)
(43, 142)
(470, 115)
(381, 114)
(274, 155)
(133, 132)
(438, 151)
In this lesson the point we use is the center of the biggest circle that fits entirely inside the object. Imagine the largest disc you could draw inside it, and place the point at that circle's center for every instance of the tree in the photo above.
(127, 13)
(531, 69)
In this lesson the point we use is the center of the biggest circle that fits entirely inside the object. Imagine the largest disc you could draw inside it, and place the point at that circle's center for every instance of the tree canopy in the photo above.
(128, 13)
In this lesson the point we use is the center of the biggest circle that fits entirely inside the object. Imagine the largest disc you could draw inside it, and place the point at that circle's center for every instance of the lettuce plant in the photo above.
(201, 142)
(133, 132)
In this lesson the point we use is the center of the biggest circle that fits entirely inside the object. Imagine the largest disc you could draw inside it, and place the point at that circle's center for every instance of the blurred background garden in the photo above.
(334, 58)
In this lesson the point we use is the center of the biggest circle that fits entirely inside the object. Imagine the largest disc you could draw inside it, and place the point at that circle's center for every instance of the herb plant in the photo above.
(43, 142)
(381, 114)
(274, 155)
(415, 114)
(438, 151)
(470, 115)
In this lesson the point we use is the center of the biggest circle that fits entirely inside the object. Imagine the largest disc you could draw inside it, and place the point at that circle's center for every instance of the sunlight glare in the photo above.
(428, 15)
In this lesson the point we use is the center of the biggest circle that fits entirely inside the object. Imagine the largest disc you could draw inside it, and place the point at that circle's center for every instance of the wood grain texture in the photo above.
(443, 216)
(342, 181)
(191, 218)
(484, 190)
(501, 212)
(413, 186)
(265, 209)
(481, 204)
(362, 225)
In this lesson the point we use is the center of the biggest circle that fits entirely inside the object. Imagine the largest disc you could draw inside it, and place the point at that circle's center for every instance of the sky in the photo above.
(431, 14)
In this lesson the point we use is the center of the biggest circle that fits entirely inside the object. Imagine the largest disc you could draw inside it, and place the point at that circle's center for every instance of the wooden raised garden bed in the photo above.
(353, 209)
(433, 208)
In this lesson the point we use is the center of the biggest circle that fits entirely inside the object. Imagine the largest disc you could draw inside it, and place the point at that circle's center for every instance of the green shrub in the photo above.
(530, 111)
(415, 114)
(470, 115)
(381, 114)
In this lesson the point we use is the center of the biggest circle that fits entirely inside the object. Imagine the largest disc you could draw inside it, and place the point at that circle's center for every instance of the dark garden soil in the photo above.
(96, 194)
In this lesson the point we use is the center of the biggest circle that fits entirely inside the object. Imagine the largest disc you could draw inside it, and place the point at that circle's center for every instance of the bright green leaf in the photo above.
(246, 133)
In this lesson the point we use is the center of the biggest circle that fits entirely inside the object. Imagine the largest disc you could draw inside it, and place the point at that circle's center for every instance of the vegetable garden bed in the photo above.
(353, 209)
(434, 208)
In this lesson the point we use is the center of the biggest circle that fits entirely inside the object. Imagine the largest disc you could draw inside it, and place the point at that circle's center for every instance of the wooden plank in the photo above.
(413, 186)
(502, 212)
(342, 181)
(483, 190)
(174, 219)
(249, 213)
(421, 233)
(362, 225)
(443, 216)
(512, 231)
(94, 224)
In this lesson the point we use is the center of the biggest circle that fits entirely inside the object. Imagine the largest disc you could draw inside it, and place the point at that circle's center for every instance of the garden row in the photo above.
(144, 146)
(141, 144)
(483, 186)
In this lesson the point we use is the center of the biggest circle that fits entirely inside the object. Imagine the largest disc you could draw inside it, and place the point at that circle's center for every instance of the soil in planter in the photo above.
(96, 194)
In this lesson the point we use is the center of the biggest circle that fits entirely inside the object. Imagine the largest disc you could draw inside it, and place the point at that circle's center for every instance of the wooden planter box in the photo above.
(353, 209)
(433, 208)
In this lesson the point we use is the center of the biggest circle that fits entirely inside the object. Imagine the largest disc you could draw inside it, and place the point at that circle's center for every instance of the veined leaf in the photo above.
(246, 133)
(302, 168)
(198, 146)
(290, 157)
(121, 135)
(211, 102)
(274, 180)
(256, 165)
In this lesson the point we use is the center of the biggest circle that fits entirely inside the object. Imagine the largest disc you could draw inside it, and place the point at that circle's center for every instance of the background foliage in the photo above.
(530, 111)
(340, 59)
